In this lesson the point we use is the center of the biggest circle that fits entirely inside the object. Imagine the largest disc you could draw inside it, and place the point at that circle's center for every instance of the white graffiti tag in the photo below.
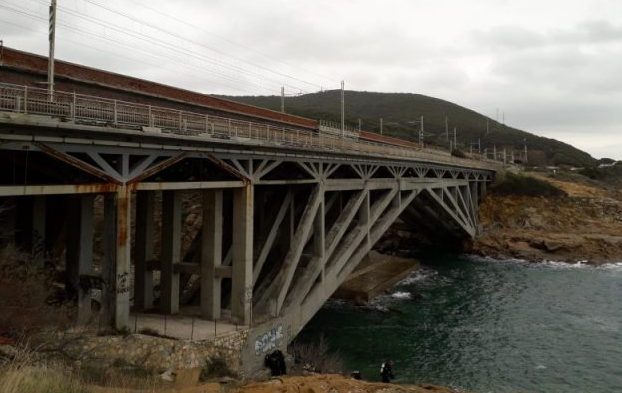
(269, 340)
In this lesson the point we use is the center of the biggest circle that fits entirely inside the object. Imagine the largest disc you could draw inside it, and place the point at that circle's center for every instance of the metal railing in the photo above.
(85, 109)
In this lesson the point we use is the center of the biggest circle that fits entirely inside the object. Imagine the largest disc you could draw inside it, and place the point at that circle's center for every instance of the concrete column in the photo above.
(79, 256)
(473, 187)
(171, 251)
(482, 192)
(143, 274)
(242, 263)
(38, 230)
(109, 240)
(122, 265)
(211, 254)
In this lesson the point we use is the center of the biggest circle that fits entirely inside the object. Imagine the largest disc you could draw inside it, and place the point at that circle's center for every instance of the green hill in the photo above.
(400, 110)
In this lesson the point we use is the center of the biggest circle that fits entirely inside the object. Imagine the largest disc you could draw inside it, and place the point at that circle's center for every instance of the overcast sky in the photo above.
(554, 67)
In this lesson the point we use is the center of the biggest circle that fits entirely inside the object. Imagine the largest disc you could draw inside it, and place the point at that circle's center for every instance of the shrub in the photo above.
(513, 184)
(26, 294)
(315, 357)
(216, 367)
(458, 153)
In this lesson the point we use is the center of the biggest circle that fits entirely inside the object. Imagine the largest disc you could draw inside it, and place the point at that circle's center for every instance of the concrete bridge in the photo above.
(285, 212)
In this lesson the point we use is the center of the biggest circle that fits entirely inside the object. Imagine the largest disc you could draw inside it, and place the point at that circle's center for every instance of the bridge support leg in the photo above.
(116, 266)
(143, 274)
(242, 263)
(211, 254)
(171, 251)
(38, 230)
(79, 257)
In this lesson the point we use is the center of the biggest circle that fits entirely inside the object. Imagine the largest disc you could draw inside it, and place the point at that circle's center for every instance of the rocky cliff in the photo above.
(585, 225)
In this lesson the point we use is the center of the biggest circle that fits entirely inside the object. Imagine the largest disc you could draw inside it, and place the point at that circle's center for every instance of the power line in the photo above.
(166, 45)
(197, 43)
(324, 77)
(103, 38)
(169, 46)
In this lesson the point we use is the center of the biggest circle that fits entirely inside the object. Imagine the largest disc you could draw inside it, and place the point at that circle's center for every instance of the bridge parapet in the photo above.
(75, 108)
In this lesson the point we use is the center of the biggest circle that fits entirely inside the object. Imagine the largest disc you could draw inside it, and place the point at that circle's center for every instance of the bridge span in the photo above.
(281, 214)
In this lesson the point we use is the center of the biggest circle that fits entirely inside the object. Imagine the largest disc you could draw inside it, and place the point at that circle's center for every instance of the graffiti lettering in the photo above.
(268, 341)
(123, 283)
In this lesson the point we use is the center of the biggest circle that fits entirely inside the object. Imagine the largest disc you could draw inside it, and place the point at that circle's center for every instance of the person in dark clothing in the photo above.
(275, 361)
(386, 371)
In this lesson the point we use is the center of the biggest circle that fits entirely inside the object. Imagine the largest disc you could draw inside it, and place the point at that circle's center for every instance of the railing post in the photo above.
(25, 99)
(179, 120)
(250, 130)
(74, 108)
(206, 124)
(150, 119)
(115, 112)
(229, 127)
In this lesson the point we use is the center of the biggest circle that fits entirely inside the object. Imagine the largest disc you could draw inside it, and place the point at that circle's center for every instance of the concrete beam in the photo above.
(200, 185)
(60, 189)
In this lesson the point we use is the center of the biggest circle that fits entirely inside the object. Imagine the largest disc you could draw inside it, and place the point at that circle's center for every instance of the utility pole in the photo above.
(421, 133)
(494, 152)
(343, 120)
(359, 124)
(381, 126)
(479, 145)
(447, 127)
(52, 39)
(455, 138)
(525, 142)
(282, 99)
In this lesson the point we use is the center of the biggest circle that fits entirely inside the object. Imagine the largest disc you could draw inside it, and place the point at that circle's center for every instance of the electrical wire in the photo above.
(122, 43)
(245, 47)
(103, 38)
(197, 43)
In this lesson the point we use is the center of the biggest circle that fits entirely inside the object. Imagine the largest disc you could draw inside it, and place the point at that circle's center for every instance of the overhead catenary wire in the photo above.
(246, 47)
(172, 34)
(239, 87)
(167, 45)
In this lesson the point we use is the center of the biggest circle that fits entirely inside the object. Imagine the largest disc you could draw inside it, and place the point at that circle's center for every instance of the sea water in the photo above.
(488, 326)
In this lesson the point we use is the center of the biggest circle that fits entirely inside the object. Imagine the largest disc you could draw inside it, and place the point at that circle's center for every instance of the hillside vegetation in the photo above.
(400, 110)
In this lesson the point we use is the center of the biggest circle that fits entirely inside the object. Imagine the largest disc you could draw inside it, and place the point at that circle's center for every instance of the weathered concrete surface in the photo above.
(376, 274)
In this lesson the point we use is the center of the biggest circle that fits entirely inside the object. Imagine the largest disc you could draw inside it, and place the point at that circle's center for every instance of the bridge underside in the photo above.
(259, 238)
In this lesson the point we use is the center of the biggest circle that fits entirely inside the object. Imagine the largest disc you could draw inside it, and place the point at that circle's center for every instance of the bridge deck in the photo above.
(82, 112)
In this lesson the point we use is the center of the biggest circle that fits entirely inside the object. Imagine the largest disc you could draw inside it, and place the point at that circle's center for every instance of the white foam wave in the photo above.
(418, 275)
(584, 264)
(401, 295)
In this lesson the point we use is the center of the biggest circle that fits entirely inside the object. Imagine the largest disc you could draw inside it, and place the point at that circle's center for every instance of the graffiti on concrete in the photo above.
(269, 340)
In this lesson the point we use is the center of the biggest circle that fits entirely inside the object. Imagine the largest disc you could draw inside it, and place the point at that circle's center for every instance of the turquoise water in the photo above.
(488, 326)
